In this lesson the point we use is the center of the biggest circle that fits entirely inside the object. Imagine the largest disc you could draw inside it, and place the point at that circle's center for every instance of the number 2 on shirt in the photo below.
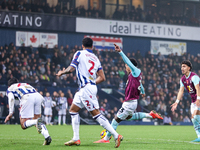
(91, 67)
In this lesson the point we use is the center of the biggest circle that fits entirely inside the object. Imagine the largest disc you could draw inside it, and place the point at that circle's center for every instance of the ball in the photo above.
(103, 133)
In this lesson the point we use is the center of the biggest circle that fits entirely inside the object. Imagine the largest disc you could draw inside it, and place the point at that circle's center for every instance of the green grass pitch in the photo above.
(12, 137)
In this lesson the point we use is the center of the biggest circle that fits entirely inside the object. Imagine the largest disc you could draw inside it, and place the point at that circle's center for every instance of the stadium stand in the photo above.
(131, 14)
(161, 76)
(38, 66)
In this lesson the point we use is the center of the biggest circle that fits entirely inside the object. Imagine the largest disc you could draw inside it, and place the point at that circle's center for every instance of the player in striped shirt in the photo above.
(30, 106)
(87, 67)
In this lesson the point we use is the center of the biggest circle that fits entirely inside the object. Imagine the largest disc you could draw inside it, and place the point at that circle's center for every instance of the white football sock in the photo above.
(46, 120)
(50, 119)
(106, 125)
(64, 119)
(75, 125)
(148, 116)
(59, 119)
(44, 132)
(29, 123)
(114, 124)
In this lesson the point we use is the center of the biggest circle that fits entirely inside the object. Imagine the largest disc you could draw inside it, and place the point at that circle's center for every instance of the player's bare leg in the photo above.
(75, 125)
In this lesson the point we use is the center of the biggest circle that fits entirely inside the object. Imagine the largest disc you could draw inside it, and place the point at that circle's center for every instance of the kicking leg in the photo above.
(140, 115)
(106, 125)
(114, 124)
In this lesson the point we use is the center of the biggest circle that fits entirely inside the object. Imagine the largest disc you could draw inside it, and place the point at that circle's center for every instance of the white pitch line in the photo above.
(168, 140)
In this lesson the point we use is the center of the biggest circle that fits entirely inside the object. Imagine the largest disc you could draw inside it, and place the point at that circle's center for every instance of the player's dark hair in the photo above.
(188, 63)
(87, 42)
(12, 81)
(134, 62)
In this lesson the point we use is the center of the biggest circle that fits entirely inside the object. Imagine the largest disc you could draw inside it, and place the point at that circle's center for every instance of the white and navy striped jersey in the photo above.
(62, 103)
(48, 103)
(20, 89)
(87, 64)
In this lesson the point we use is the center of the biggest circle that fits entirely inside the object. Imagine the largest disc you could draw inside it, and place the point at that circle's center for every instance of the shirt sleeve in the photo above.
(135, 71)
(100, 67)
(181, 83)
(75, 60)
(195, 79)
(11, 101)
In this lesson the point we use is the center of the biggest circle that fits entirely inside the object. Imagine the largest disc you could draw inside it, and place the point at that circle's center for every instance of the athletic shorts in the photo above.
(193, 107)
(30, 104)
(128, 108)
(62, 112)
(86, 97)
(48, 111)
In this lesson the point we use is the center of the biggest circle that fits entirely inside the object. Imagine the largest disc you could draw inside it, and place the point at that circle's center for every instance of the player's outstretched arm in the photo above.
(135, 70)
(179, 96)
(101, 76)
(11, 101)
(69, 69)
(142, 93)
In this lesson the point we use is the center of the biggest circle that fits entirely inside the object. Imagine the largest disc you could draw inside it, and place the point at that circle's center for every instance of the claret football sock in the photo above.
(29, 123)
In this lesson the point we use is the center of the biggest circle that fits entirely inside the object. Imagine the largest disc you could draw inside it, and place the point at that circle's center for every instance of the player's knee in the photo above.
(117, 119)
(196, 117)
(23, 127)
(129, 117)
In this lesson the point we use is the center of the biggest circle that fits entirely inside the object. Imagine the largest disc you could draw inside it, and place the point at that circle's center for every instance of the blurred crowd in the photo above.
(161, 75)
(133, 14)
(140, 15)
